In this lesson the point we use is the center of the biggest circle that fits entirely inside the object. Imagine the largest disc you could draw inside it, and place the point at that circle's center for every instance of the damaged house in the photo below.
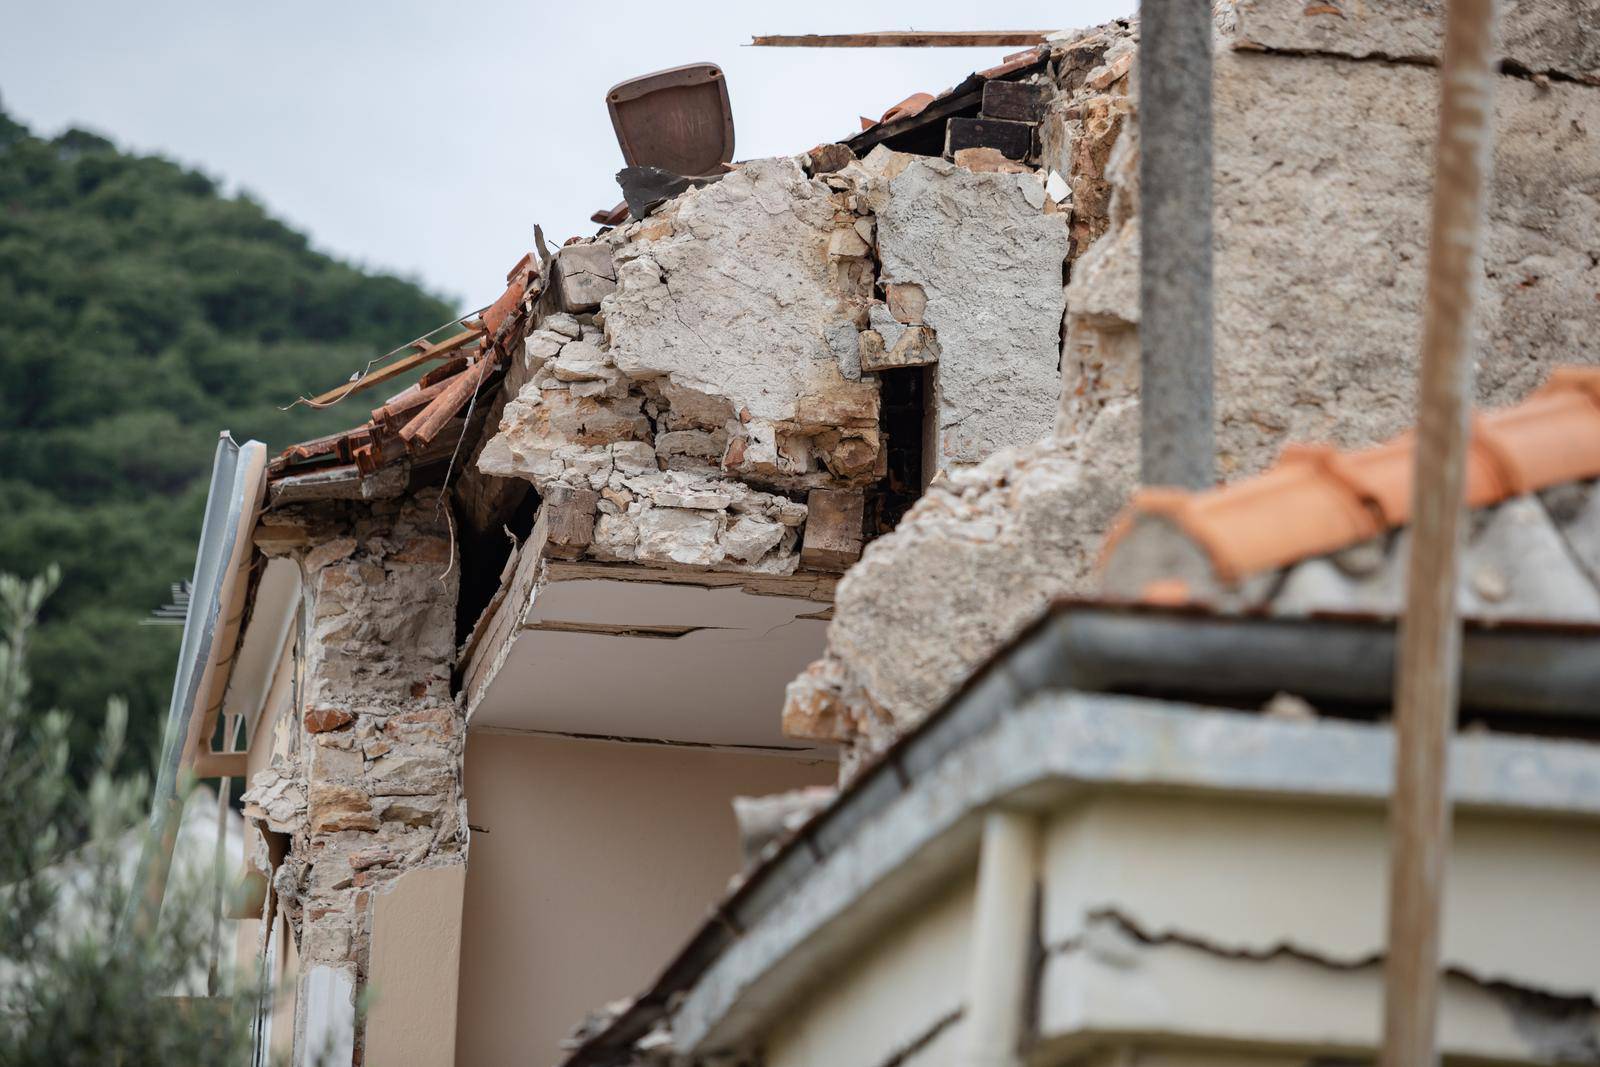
(753, 493)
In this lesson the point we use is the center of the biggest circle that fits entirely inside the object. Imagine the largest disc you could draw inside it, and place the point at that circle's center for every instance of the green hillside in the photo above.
(142, 311)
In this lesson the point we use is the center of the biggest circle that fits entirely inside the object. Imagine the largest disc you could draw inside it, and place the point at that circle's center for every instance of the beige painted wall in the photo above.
(598, 861)
(412, 976)
(902, 996)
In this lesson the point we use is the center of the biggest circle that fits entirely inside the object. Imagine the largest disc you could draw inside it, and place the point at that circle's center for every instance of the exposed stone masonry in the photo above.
(728, 370)
(367, 783)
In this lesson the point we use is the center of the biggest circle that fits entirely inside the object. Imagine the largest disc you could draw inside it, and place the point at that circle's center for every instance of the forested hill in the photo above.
(141, 312)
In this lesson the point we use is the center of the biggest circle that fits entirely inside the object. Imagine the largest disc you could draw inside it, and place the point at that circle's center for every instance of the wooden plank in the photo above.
(221, 764)
(395, 369)
(938, 111)
(1426, 684)
(907, 39)
(808, 585)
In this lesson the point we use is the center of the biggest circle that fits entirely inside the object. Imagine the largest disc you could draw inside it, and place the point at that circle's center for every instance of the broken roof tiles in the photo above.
(1279, 540)
(405, 429)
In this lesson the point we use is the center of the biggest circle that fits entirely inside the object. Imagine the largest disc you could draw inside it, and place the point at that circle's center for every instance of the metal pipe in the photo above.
(1175, 422)
(1002, 932)
(1516, 671)
(1430, 632)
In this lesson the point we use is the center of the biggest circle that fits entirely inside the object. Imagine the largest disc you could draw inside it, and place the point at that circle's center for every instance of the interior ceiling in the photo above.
(715, 676)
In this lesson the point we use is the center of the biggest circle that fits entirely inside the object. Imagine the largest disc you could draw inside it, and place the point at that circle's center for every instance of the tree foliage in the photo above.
(77, 987)
(141, 312)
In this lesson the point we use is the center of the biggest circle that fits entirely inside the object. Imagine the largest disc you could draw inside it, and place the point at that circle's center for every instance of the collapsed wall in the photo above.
(1324, 125)
(705, 387)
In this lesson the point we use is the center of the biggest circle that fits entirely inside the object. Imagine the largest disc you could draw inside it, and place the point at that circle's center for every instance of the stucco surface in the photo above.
(989, 261)
(1540, 36)
(594, 863)
(1322, 184)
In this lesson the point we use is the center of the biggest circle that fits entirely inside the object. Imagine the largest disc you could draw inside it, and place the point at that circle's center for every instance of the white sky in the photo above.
(428, 138)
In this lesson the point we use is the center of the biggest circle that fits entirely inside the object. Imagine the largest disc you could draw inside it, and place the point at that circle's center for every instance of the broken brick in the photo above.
(988, 161)
(1014, 140)
(322, 720)
(833, 529)
(827, 158)
(1018, 101)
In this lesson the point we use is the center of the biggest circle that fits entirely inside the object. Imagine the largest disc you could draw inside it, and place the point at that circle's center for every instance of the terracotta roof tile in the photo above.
(408, 423)
(1317, 500)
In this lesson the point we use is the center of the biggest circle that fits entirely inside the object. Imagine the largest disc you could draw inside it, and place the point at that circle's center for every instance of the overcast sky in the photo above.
(427, 138)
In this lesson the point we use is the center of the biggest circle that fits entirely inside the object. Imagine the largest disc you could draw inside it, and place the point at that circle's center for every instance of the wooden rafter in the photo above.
(398, 367)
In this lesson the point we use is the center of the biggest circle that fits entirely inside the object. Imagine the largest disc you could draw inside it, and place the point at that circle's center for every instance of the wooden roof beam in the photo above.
(908, 39)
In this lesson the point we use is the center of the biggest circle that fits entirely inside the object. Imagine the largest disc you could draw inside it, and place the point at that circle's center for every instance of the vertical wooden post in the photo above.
(1430, 637)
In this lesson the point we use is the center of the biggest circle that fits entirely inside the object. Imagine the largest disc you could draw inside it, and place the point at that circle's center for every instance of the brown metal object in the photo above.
(1426, 684)
(906, 39)
(677, 119)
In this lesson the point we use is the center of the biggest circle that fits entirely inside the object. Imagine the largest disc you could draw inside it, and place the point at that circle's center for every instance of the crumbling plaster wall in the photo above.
(695, 396)
(1322, 180)
(986, 264)
(367, 786)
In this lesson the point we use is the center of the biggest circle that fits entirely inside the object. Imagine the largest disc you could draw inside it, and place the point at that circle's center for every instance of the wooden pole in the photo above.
(1430, 632)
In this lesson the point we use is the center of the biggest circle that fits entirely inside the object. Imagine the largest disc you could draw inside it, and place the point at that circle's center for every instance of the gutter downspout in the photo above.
(238, 484)
(1002, 933)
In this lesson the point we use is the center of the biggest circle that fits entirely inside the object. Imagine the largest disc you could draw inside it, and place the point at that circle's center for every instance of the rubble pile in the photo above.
(699, 376)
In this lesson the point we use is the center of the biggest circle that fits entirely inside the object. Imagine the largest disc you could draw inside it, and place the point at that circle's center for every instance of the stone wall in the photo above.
(367, 786)
(1322, 180)
(702, 370)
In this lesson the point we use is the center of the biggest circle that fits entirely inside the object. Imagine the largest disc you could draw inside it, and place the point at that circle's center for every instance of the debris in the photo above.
(833, 529)
(827, 158)
(585, 276)
(1019, 101)
(764, 820)
(1290, 707)
(988, 160)
(1014, 140)
(646, 188)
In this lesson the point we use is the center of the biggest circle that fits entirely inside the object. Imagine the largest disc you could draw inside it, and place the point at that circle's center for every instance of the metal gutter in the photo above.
(210, 636)
(1085, 647)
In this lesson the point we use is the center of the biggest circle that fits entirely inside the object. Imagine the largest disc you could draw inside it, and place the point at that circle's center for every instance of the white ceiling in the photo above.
(721, 684)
